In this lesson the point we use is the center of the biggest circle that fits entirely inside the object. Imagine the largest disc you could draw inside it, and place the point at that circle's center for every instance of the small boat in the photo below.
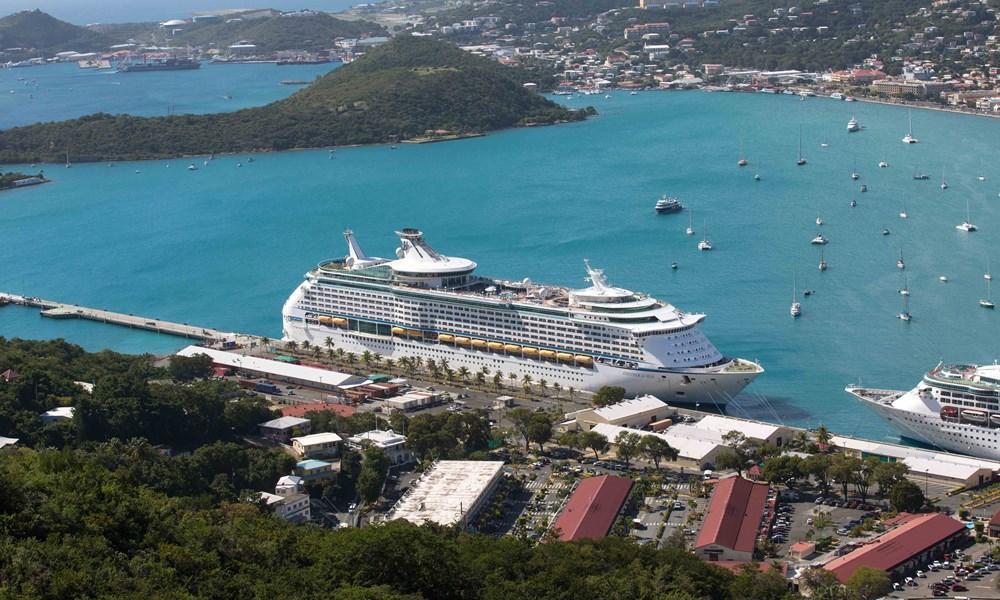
(882, 164)
(137, 171)
(633, 93)
(853, 126)
(690, 227)
(854, 203)
(667, 204)
(944, 184)
(905, 316)
(908, 138)
(977, 416)
(239, 164)
(987, 276)
(192, 167)
(705, 244)
(819, 240)
(967, 225)
(885, 231)
(854, 173)
(250, 160)
(756, 176)
(850, 99)
(981, 178)
(906, 287)
(903, 214)
(864, 188)
(796, 308)
(819, 221)
(801, 161)
(808, 292)
(920, 176)
(899, 263)
(943, 279)
(986, 302)
(822, 261)
(742, 162)
(673, 265)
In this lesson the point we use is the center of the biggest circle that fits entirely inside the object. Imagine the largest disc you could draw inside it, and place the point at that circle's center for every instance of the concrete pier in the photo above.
(58, 310)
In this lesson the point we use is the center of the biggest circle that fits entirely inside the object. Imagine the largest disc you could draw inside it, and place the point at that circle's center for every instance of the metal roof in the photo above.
(447, 491)
(752, 429)
(272, 367)
(317, 438)
(734, 514)
(693, 448)
(897, 546)
(592, 508)
(284, 423)
(630, 408)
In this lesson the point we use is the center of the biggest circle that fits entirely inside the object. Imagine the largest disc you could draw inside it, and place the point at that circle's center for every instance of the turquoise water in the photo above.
(224, 246)
(65, 91)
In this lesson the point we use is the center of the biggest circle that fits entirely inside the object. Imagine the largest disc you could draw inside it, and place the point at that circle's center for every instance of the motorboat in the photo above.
(882, 164)
(885, 231)
(899, 262)
(668, 204)
(796, 309)
(864, 188)
(853, 125)
(822, 261)
(801, 160)
(690, 227)
(819, 240)
(192, 167)
(819, 221)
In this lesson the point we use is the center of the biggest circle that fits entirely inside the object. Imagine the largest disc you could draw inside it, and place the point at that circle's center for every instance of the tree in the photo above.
(887, 474)
(189, 368)
(595, 441)
(521, 420)
(867, 584)
(728, 459)
(608, 394)
(569, 439)
(374, 470)
(328, 342)
(497, 381)
(906, 496)
(843, 470)
(464, 374)
(291, 346)
(627, 445)
(540, 429)
(865, 476)
(753, 584)
(818, 466)
(783, 469)
(823, 435)
(366, 358)
(822, 584)
(656, 449)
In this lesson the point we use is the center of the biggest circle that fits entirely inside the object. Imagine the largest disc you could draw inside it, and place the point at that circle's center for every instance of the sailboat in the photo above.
(906, 287)
(908, 138)
(986, 302)
(822, 260)
(899, 263)
(756, 173)
(742, 162)
(944, 184)
(705, 243)
(801, 161)
(967, 225)
(902, 213)
(905, 315)
(920, 176)
(987, 275)
(68, 164)
(854, 174)
(796, 308)
(690, 227)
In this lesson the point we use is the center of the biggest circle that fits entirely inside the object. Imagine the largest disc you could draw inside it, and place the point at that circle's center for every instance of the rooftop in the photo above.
(317, 438)
(897, 546)
(592, 508)
(299, 410)
(284, 423)
(59, 412)
(446, 492)
(752, 429)
(734, 514)
(629, 408)
(273, 367)
(6, 441)
(688, 447)
(309, 465)
(378, 437)
(931, 462)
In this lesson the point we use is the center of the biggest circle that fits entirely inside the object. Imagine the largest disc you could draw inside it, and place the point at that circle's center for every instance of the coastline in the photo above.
(929, 106)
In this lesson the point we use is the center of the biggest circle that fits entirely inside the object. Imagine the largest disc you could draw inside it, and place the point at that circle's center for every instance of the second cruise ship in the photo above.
(428, 305)
(954, 407)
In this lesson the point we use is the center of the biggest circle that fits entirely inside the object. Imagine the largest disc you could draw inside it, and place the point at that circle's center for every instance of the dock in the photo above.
(58, 310)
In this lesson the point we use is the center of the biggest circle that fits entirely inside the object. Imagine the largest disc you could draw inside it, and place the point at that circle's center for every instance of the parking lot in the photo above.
(958, 585)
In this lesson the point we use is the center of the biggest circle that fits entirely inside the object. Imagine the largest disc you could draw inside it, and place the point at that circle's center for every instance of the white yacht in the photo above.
(801, 160)
(819, 221)
(908, 138)
(987, 302)
(428, 305)
(690, 227)
(905, 316)
(899, 262)
(668, 204)
(819, 240)
(967, 225)
(853, 125)
(822, 261)
(954, 407)
(796, 309)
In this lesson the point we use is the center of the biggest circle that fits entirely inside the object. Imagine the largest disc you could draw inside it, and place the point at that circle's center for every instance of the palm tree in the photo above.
(513, 377)
(485, 371)
(498, 380)
(480, 379)
(306, 345)
(376, 359)
(431, 365)
(526, 384)
(463, 374)
(557, 388)
(330, 353)
(340, 353)
(389, 364)
(449, 374)
(265, 341)
(352, 357)
(569, 393)
(292, 345)
(366, 357)
(328, 342)
(317, 351)
(418, 362)
(823, 435)
(443, 364)
(543, 385)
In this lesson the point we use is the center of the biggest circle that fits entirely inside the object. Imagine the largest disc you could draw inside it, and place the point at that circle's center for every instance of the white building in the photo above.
(390, 442)
(775, 435)
(60, 413)
(7, 442)
(276, 370)
(317, 445)
(414, 400)
(283, 428)
(700, 450)
(636, 413)
(449, 493)
(288, 502)
(967, 471)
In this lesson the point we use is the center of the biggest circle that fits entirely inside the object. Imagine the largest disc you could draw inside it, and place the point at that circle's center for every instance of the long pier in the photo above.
(57, 310)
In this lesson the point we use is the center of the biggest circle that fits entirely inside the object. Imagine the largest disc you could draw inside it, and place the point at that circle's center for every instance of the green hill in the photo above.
(397, 91)
(309, 32)
(33, 29)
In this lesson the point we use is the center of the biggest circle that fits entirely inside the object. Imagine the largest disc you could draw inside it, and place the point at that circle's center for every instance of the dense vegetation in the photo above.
(397, 91)
(7, 179)
(308, 32)
(47, 35)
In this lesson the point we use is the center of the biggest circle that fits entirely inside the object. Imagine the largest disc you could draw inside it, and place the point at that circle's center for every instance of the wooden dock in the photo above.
(58, 310)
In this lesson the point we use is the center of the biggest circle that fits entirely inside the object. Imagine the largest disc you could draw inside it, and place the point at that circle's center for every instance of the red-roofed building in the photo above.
(918, 541)
(731, 523)
(299, 410)
(592, 508)
(994, 528)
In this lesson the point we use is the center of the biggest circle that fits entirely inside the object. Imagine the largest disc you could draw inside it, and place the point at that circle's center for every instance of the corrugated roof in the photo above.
(898, 545)
(317, 438)
(734, 514)
(284, 423)
(628, 408)
(273, 367)
(591, 510)
(754, 430)
(932, 462)
(688, 447)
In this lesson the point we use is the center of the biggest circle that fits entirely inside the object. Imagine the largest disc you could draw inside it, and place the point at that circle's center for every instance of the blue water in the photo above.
(65, 91)
(82, 12)
(223, 246)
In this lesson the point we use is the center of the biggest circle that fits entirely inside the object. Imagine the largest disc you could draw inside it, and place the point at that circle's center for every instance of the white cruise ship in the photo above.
(954, 407)
(424, 304)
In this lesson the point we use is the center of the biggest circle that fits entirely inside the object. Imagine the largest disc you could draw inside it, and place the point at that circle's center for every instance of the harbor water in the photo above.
(224, 246)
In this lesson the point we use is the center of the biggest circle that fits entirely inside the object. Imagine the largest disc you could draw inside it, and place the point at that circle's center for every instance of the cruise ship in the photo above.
(428, 305)
(954, 407)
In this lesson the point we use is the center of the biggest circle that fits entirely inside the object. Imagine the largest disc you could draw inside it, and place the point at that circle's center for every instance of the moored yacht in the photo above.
(954, 407)
(908, 138)
(967, 225)
(423, 304)
(668, 204)
(853, 125)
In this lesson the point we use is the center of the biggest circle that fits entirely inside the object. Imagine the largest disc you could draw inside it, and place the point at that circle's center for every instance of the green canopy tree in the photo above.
(906, 496)
(868, 584)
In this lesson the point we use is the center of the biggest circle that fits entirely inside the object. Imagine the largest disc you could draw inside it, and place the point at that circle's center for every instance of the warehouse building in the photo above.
(917, 541)
(592, 508)
(635, 413)
(775, 435)
(734, 515)
(312, 377)
(451, 492)
(965, 471)
(689, 447)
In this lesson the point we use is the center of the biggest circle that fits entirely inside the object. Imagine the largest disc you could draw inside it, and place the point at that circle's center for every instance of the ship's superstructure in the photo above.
(434, 307)
(954, 407)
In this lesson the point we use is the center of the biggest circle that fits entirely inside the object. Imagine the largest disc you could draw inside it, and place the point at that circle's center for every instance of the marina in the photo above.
(223, 245)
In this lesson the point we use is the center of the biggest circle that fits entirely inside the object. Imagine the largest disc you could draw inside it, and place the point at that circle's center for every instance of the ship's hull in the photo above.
(983, 442)
(707, 387)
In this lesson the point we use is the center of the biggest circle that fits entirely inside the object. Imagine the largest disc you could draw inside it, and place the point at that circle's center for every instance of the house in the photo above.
(734, 515)
(312, 469)
(9, 376)
(283, 428)
(288, 500)
(636, 413)
(60, 413)
(6, 442)
(592, 508)
(390, 442)
(317, 445)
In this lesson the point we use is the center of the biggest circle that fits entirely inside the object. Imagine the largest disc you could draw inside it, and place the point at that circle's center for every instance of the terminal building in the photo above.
(635, 413)
(729, 532)
(311, 377)
(964, 471)
(592, 508)
(451, 492)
